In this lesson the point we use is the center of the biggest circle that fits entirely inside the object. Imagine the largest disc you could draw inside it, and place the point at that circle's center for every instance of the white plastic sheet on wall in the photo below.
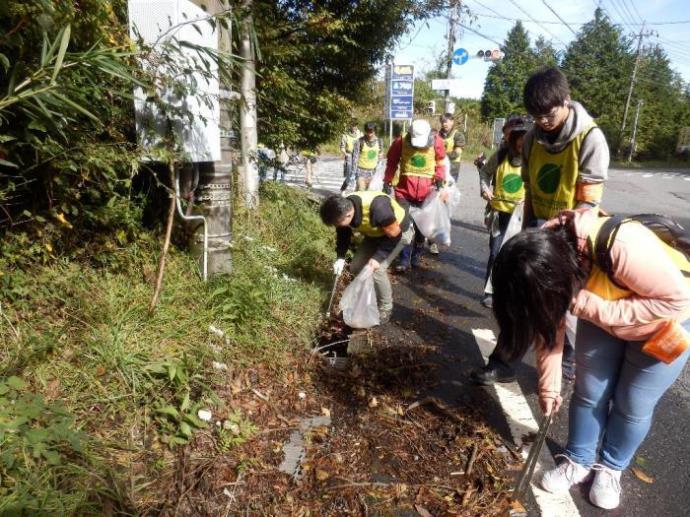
(201, 138)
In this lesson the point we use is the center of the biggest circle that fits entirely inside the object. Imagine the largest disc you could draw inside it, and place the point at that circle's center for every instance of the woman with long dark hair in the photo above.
(539, 275)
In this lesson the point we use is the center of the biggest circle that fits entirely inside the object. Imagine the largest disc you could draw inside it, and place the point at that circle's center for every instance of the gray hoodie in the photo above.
(594, 153)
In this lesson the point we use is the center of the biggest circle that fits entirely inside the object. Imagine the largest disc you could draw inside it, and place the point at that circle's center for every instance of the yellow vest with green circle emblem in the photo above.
(553, 176)
(449, 143)
(417, 161)
(599, 282)
(350, 140)
(365, 227)
(508, 187)
(368, 155)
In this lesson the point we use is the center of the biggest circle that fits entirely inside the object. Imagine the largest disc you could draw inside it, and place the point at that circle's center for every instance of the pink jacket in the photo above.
(660, 292)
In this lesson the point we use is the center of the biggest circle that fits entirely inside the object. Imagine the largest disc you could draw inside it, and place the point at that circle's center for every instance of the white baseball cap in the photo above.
(419, 133)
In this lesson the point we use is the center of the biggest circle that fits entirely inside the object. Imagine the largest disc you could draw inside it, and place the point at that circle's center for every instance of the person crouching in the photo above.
(386, 228)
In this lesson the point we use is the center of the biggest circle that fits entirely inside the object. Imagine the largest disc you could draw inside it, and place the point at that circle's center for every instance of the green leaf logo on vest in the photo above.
(371, 154)
(418, 160)
(512, 183)
(549, 177)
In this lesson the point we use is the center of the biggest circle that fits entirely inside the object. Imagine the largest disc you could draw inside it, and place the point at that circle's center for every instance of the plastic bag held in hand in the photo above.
(433, 219)
(358, 303)
(376, 184)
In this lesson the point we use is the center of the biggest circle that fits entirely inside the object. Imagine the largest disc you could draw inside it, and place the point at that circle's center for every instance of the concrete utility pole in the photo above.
(634, 132)
(641, 35)
(453, 21)
(249, 171)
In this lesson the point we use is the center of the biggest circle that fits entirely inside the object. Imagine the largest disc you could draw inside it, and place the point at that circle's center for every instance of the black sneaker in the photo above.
(491, 374)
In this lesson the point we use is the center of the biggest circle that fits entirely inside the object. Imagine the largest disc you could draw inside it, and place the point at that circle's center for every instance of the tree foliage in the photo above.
(317, 60)
(65, 119)
(506, 78)
(599, 65)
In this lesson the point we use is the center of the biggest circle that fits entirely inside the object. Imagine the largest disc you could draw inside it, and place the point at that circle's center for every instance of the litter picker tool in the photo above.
(330, 302)
(532, 459)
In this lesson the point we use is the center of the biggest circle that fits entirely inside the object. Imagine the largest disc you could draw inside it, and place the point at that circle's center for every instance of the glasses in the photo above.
(548, 117)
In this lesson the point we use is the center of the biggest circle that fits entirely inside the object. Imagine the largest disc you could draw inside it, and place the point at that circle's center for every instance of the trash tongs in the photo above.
(330, 302)
(532, 459)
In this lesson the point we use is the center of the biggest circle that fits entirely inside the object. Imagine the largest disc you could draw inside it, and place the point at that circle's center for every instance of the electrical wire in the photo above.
(634, 7)
(488, 38)
(530, 17)
(559, 17)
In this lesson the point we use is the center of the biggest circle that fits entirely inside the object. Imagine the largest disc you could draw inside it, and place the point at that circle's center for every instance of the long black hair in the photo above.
(535, 276)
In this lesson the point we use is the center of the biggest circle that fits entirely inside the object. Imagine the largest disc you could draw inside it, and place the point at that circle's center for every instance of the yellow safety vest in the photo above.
(368, 155)
(599, 282)
(350, 142)
(449, 143)
(553, 176)
(508, 187)
(417, 161)
(365, 227)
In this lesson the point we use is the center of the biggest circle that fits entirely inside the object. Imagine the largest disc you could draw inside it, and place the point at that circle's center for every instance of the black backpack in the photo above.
(668, 230)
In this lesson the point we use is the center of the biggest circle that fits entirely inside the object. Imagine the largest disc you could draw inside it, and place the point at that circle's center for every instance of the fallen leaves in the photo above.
(639, 474)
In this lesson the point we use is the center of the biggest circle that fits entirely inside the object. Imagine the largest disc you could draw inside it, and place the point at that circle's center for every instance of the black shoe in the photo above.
(491, 374)
(488, 301)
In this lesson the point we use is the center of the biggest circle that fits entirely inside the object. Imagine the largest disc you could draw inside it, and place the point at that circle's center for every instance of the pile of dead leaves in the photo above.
(385, 450)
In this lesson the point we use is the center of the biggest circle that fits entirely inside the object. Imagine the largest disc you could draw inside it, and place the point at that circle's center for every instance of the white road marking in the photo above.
(522, 423)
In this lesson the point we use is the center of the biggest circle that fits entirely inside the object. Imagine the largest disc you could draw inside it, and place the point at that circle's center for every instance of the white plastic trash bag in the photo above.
(450, 181)
(453, 197)
(515, 224)
(358, 303)
(514, 227)
(376, 183)
(433, 219)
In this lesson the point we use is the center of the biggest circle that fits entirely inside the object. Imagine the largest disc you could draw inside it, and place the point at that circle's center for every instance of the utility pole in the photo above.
(641, 35)
(249, 172)
(453, 20)
(634, 132)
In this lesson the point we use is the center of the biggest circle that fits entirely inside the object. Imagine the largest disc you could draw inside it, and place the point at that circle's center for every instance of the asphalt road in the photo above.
(665, 454)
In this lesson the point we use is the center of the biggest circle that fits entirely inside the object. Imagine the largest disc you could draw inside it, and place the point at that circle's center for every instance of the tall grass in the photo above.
(80, 337)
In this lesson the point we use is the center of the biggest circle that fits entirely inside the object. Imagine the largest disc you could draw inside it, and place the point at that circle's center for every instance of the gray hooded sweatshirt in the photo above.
(594, 152)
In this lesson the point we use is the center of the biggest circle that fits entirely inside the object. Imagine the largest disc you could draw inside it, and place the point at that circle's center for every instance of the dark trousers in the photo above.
(495, 242)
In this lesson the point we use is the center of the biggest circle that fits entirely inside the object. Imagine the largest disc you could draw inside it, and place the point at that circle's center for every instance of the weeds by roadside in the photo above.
(95, 395)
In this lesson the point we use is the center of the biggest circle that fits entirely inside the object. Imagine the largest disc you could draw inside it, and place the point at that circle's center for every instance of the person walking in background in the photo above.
(565, 160)
(310, 157)
(347, 145)
(454, 142)
(500, 184)
(622, 310)
(365, 156)
(420, 155)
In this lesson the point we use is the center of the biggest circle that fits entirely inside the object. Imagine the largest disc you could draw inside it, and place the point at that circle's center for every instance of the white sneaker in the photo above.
(606, 487)
(564, 476)
(433, 249)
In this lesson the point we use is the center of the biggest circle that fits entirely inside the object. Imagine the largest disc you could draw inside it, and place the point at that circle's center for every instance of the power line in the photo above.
(559, 17)
(634, 7)
(624, 9)
(530, 17)
(488, 38)
(619, 14)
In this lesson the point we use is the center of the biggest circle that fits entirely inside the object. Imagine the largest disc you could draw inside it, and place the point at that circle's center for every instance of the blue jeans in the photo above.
(617, 387)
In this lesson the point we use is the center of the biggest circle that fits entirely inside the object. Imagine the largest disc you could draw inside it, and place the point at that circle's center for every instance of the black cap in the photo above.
(370, 126)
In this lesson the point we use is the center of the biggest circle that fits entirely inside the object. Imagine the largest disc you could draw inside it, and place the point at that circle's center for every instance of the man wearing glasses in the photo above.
(564, 166)
(566, 157)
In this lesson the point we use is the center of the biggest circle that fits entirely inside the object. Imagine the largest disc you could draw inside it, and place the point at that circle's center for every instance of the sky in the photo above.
(426, 40)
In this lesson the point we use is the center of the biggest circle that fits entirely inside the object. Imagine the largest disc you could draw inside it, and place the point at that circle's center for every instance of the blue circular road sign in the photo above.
(460, 56)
